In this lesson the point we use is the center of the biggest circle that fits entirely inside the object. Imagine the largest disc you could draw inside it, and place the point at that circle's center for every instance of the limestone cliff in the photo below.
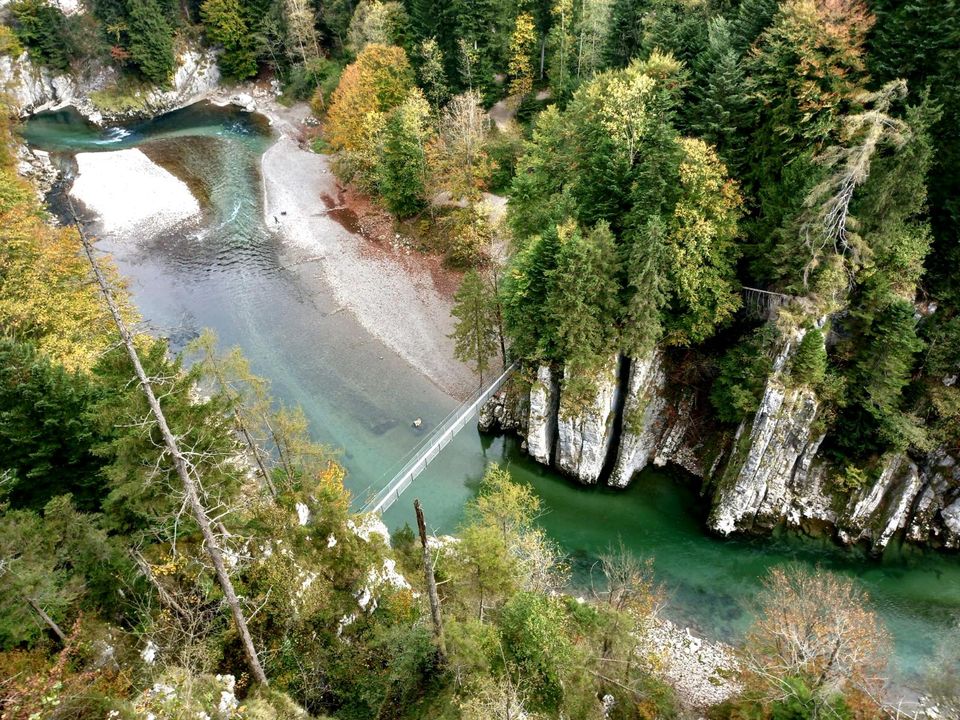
(770, 456)
(585, 426)
(33, 89)
(643, 418)
(542, 418)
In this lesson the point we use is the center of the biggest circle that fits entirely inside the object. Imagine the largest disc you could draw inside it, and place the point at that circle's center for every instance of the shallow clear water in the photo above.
(234, 276)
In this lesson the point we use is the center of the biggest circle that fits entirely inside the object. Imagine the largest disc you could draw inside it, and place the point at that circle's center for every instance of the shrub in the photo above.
(744, 369)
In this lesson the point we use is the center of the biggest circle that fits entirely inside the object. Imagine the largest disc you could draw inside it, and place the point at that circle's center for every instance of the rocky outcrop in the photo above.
(36, 166)
(882, 508)
(542, 418)
(585, 430)
(770, 457)
(643, 418)
(33, 89)
(508, 410)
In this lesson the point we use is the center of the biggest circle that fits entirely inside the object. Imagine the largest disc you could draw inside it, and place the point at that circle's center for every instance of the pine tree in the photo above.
(225, 24)
(625, 35)
(524, 292)
(583, 293)
(809, 364)
(42, 29)
(44, 427)
(749, 20)
(641, 323)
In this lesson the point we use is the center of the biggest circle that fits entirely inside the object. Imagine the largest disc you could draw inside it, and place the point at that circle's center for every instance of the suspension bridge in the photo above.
(428, 448)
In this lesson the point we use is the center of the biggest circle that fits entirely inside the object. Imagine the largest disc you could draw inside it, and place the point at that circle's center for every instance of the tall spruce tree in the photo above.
(475, 335)
(721, 109)
(151, 40)
(625, 32)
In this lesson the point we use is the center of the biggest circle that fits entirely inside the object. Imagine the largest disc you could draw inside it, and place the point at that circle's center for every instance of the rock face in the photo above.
(585, 433)
(643, 419)
(508, 410)
(882, 509)
(764, 472)
(36, 166)
(542, 420)
(33, 89)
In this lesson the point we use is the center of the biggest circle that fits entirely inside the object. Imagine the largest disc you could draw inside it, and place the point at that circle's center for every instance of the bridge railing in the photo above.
(430, 447)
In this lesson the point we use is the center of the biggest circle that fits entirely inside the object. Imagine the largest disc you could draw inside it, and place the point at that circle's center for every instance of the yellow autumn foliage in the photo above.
(46, 291)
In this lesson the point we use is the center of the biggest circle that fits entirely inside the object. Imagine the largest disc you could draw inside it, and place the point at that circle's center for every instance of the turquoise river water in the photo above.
(234, 276)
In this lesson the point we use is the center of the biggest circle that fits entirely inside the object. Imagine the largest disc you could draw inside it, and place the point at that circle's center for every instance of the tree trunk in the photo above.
(431, 580)
(180, 464)
(47, 619)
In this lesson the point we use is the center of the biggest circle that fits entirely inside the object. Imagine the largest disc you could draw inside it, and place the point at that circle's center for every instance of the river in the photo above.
(236, 277)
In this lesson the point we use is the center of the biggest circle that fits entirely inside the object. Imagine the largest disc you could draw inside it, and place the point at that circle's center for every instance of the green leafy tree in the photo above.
(533, 630)
(384, 23)
(401, 172)
(431, 72)
(522, 44)
(701, 247)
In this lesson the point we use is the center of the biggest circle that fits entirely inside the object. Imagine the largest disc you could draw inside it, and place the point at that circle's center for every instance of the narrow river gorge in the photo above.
(231, 273)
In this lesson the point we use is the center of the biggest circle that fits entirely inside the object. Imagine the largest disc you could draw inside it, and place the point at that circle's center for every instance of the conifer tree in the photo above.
(625, 34)
(225, 24)
(475, 334)
(645, 294)
(721, 108)
(582, 297)
(151, 40)
(749, 20)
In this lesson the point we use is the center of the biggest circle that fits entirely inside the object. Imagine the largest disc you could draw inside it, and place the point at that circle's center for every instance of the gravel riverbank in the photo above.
(392, 298)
